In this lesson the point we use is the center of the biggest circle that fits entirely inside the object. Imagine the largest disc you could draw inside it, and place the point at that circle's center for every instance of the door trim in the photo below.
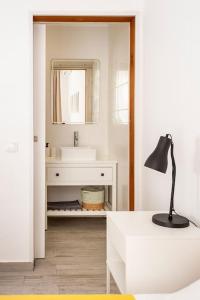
(131, 21)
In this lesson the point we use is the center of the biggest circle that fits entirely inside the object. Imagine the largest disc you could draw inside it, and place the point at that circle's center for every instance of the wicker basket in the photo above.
(92, 197)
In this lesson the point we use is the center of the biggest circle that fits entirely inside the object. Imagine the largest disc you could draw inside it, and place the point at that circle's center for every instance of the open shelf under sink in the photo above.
(77, 212)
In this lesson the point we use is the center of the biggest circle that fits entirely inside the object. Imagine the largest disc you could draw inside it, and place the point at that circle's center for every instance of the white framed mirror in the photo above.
(75, 91)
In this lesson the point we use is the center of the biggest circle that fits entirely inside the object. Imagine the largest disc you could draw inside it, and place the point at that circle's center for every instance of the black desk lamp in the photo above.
(158, 161)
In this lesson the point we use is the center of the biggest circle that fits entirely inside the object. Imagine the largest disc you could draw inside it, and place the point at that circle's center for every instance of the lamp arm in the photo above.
(173, 181)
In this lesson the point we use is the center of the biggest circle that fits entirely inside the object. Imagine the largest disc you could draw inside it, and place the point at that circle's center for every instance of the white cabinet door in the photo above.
(39, 37)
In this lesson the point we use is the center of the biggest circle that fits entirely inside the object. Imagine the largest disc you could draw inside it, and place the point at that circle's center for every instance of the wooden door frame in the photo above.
(122, 19)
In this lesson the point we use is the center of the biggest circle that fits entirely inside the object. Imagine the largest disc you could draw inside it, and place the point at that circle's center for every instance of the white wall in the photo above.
(79, 41)
(16, 114)
(172, 101)
(119, 56)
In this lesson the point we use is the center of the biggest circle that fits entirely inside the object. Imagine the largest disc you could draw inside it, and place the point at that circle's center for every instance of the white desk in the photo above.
(147, 258)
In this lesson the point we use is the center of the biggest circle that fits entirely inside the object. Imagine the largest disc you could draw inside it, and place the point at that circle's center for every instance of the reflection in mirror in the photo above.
(75, 91)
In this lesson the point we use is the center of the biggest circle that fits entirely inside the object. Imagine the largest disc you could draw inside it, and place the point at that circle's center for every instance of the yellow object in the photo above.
(68, 297)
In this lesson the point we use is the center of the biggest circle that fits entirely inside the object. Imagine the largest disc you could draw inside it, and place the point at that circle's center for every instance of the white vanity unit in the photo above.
(104, 173)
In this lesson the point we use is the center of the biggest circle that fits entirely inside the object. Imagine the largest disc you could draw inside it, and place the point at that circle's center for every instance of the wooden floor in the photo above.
(75, 261)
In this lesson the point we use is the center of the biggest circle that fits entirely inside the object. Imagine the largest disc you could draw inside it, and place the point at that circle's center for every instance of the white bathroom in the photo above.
(82, 85)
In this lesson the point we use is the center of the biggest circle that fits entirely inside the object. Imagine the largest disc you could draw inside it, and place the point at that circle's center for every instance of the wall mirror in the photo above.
(75, 91)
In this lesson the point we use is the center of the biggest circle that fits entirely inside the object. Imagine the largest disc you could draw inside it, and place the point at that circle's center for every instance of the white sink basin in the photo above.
(78, 154)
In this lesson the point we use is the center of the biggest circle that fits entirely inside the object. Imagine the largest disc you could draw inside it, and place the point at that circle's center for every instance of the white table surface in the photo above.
(139, 224)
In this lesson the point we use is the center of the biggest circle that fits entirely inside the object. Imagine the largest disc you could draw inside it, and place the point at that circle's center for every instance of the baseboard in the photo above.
(16, 266)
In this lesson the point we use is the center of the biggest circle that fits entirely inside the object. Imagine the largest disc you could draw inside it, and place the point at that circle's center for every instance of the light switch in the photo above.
(12, 148)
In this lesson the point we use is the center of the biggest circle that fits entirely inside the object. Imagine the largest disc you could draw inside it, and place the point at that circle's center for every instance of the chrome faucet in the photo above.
(75, 138)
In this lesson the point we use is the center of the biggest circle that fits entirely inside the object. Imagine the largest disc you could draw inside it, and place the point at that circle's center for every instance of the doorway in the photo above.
(114, 19)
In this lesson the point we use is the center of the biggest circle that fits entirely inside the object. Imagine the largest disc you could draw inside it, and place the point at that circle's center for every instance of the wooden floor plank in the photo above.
(75, 261)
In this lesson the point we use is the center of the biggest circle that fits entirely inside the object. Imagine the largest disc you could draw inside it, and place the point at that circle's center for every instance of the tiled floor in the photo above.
(75, 261)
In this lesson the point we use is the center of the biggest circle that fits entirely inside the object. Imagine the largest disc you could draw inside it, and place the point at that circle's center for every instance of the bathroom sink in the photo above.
(78, 154)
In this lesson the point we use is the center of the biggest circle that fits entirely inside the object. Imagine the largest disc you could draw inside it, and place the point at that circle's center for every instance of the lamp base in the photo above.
(176, 221)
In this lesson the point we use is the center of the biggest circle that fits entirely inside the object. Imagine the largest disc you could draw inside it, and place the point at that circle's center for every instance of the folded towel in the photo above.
(63, 205)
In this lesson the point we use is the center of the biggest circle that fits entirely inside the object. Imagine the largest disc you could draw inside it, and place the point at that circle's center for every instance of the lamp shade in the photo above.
(158, 159)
